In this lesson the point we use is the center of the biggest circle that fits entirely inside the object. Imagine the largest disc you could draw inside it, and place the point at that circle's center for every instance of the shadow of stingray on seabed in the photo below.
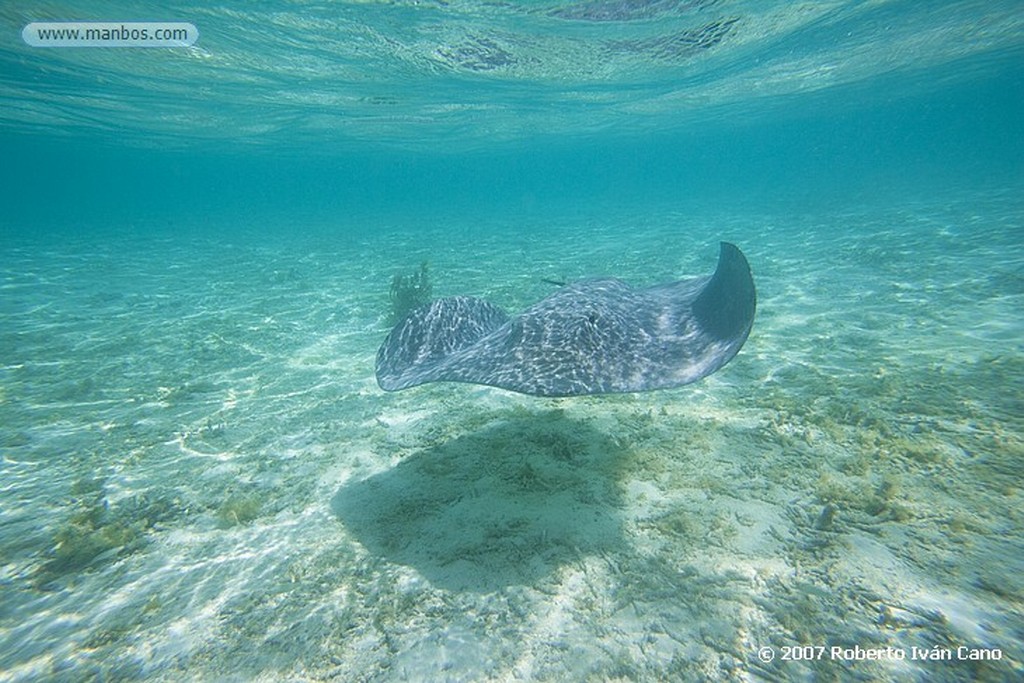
(502, 506)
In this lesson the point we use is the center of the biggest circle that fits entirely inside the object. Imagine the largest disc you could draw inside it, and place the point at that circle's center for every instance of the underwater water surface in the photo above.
(201, 480)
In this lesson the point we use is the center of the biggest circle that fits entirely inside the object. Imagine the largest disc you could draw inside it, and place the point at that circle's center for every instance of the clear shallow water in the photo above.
(201, 480)
(470, 74)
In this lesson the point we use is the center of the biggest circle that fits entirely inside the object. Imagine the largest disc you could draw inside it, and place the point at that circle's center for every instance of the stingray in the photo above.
(597, 336)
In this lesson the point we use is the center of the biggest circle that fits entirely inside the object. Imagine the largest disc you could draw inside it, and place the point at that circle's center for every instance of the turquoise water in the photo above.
(201, 480)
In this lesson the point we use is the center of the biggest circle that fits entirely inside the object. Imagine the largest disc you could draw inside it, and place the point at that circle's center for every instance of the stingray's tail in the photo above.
(725, 308)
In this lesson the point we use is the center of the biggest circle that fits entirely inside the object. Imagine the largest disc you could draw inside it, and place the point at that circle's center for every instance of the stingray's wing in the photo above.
(416, 349)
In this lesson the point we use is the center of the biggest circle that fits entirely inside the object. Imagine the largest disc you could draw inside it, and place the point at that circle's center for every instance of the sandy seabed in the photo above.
(202, 481)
